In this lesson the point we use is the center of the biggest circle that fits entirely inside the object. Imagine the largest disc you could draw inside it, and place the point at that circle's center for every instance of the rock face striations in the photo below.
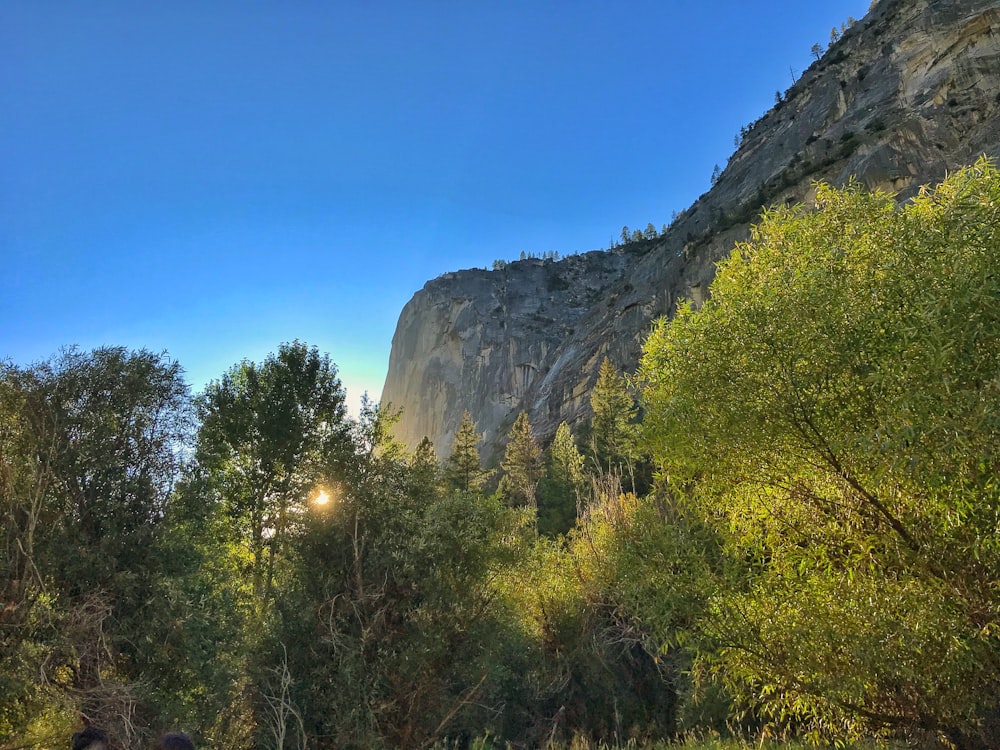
(906, 94)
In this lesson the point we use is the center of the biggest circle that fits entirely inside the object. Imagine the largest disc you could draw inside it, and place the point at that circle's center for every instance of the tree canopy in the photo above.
(818, 557)
(833, 408)
(268, 434)
(522, 464)
(613, 431)
(464, 470)
(89, 454)
(561, 489)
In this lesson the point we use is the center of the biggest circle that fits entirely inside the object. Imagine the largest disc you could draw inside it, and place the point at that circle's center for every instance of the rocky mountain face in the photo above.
(906, 94)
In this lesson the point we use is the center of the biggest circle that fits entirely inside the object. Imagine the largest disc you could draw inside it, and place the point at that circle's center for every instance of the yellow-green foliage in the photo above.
(834, 412)
(598, 670)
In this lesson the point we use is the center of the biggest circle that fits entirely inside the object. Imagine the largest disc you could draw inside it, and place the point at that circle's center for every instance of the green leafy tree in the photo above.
(23, 484)
(560, 491)
(591, 674)
(464, 470)
(827, 411)
(522, 464)
(88, 460)
(198, 631)
(268, 432)
(373, 443)
(388, 628)
(657, 568)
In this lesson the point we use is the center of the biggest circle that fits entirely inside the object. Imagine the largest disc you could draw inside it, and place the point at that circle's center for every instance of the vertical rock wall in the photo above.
(909, 92)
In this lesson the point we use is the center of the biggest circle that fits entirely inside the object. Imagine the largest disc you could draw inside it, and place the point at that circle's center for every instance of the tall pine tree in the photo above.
(613, 433)
(464, 470)
(425, 472)
(561, 489)
(522, 464)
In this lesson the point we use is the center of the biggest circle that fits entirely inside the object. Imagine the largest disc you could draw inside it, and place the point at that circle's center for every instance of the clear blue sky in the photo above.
(213, 178)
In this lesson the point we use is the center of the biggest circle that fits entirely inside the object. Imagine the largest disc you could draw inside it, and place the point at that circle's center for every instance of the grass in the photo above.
(710, 742)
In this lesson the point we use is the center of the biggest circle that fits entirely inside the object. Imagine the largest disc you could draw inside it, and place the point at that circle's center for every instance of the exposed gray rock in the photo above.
(485, 340)
(909, 92)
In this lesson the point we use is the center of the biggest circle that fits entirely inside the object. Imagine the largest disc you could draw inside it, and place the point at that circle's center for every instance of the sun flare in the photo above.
(322, 497)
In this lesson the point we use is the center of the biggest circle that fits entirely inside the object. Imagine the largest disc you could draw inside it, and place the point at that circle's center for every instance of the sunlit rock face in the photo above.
(909, 92)
(485, 340)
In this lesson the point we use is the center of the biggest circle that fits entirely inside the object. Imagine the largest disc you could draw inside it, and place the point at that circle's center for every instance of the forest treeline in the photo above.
(786, 523)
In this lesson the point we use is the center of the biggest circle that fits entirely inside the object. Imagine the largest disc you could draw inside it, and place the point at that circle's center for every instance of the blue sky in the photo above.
(214, 178)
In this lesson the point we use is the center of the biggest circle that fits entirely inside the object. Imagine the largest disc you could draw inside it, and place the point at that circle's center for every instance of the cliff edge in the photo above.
(908, 93)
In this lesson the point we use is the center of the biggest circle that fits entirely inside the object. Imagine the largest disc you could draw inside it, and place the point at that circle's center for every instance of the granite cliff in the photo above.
(907, 93)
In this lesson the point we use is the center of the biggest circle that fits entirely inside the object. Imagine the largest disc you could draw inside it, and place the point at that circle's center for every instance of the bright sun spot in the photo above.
(322, 497)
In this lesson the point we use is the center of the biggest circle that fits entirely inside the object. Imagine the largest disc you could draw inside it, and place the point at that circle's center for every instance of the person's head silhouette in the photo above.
(175, 741)
(90, 738)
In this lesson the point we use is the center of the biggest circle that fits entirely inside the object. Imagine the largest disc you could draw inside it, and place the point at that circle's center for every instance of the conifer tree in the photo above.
(425, 470)
(464, 471)
(560, 490)
(613, 433)
(522, 464)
